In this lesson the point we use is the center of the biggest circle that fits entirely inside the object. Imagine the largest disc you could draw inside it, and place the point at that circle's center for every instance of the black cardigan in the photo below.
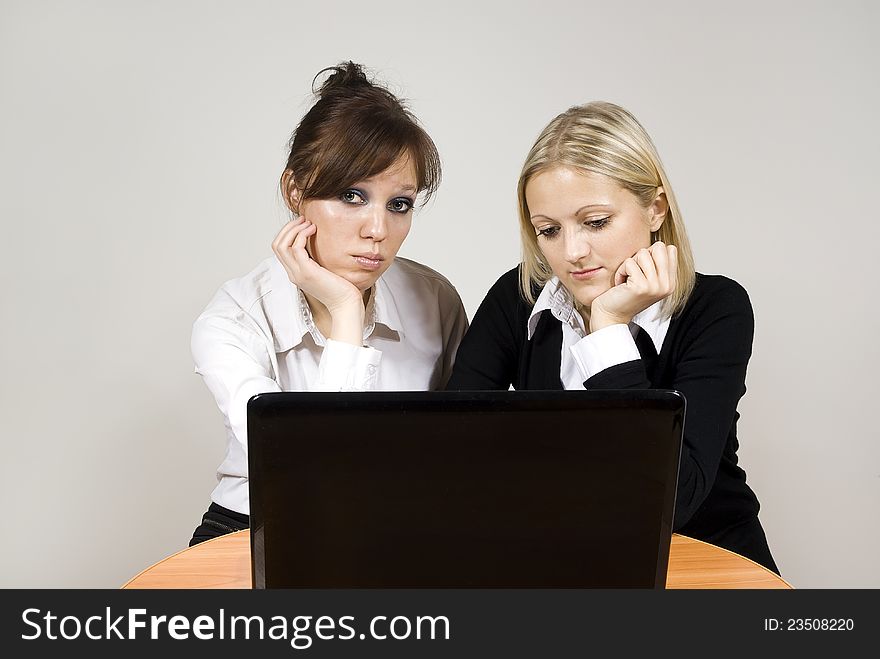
(704, 356)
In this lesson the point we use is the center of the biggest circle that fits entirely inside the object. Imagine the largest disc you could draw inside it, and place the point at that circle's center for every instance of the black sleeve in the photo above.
(488, 355)
(710, 371)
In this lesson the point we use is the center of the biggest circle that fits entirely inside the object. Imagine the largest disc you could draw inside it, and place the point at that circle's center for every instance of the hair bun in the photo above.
(345, 76)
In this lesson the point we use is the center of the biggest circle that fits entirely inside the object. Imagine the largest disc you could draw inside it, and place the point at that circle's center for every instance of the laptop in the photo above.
(491, 489)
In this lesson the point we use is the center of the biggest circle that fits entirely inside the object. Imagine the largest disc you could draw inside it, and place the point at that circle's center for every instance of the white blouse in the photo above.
(257, 336)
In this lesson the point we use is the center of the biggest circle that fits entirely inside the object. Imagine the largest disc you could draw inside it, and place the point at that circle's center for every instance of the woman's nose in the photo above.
(576, 247)
(376, 224)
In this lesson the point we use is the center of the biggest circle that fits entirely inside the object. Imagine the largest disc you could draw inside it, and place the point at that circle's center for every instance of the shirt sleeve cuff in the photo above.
(346, 367)
(603, 349)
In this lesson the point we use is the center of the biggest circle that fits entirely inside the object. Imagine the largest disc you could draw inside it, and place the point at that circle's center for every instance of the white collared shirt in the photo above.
(584, 355)
(257, 335)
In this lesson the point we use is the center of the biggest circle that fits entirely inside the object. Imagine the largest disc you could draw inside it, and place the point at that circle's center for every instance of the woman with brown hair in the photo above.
(335, 309)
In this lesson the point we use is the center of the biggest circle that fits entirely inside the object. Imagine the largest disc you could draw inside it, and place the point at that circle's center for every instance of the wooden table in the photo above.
(225, 562)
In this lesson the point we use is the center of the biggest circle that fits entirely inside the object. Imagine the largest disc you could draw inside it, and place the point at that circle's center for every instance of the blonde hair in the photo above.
(606, 139)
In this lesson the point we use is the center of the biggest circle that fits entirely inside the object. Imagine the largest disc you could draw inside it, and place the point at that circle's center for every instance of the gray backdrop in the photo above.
(140, 147)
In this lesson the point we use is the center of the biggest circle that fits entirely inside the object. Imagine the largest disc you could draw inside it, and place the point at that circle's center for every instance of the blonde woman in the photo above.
(607, 298)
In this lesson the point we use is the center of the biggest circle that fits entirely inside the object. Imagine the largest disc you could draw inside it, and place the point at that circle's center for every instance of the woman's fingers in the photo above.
(645, 259)
(659, 255)
(650, 275)
(620, 276)
(333, 291)
(282, 237)
(286, 237)
(672, 259)
(630, 273)
(289, 246)
(298, 247)
(666, 262)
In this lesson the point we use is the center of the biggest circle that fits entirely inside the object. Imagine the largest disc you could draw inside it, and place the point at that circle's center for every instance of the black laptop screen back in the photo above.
(503, 489)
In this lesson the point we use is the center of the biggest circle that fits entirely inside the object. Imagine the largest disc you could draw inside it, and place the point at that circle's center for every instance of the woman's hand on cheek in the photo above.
(646, 277)
(330, 289)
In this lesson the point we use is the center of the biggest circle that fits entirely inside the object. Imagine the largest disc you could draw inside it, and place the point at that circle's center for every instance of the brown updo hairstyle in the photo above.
(356, 129)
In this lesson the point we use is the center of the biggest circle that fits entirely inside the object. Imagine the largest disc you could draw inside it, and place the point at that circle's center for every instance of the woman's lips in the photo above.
(369, 261)
(582, 275)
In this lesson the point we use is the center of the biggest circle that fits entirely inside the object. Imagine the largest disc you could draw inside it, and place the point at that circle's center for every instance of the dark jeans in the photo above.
(218, 521)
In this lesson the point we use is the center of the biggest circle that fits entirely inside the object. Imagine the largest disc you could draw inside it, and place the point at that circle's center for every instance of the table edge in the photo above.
(177, 553)
(745, 558)
(247, 531)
